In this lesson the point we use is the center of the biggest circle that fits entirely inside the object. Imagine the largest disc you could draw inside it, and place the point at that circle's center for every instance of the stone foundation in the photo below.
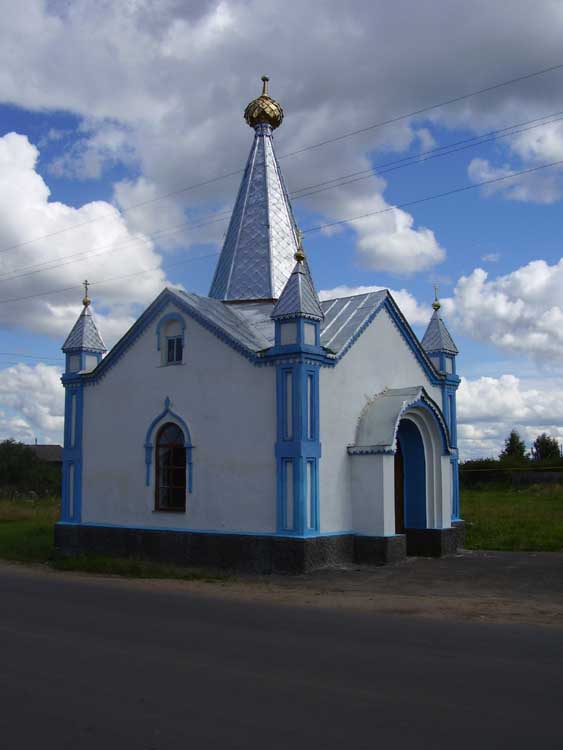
(380, 550)
(431, 542)
(461, 532)
(255, 554)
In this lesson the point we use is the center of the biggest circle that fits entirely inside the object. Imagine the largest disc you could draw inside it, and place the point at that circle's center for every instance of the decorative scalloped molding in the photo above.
(422, 399)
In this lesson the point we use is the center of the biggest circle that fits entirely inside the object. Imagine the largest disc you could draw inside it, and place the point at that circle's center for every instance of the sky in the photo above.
(122, 143)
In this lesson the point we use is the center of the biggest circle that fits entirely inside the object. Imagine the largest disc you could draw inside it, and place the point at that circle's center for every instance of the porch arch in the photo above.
(409, 417)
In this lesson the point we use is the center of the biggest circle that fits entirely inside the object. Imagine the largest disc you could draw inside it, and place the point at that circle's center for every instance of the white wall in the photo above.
(372, 480)
(379, 359)
(229, 406)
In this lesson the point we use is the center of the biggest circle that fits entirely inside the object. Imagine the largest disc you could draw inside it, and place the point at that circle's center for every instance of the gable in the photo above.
(347, 319)
(221, 320)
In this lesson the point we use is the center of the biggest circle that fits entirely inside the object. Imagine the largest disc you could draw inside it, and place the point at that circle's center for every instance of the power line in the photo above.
(423, 110)
(319, 144)
(107, 281)
(353, 177)
(433, 153)
(29, 356)
(349, 220)
(102, 250)
(406, 204)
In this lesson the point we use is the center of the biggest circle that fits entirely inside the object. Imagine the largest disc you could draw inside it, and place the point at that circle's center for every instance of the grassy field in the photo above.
(514, 519)
(26, 535)
(497, 519)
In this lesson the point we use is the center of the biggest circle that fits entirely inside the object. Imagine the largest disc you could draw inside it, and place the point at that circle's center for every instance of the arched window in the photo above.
(170, 488)
(170, 339)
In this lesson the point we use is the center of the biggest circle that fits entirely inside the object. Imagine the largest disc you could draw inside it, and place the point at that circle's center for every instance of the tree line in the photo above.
(23, 473)
(544, 451)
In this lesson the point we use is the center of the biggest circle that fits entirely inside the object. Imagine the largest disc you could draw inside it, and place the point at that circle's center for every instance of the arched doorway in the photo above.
(410, 478)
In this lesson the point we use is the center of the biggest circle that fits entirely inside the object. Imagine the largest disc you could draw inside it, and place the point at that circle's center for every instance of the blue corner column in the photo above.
(71, 504)
(298, 447)
(73, 383)
(449, 408)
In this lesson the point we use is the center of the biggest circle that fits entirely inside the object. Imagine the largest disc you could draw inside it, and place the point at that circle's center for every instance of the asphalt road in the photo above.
(108, 664)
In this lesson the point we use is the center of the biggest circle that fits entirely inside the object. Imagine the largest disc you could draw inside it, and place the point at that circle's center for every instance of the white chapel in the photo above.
(259, 428)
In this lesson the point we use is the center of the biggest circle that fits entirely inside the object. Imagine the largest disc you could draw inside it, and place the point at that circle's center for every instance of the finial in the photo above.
(264, 110)
(299, 253)
(86, 301)
(436, 304)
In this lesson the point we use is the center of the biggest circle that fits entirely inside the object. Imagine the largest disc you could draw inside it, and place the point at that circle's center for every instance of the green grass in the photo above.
(26, 535)
(497, 518)
(502, 518)
(26, 529)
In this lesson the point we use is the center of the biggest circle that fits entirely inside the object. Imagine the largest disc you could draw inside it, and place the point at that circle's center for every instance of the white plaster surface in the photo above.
(229, 406)
(373, 494)
(379, 359)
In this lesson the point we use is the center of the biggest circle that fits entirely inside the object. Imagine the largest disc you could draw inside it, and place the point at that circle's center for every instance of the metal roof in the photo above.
(244, 327)
(84, 334)
(257, 256)
(48, 453)
(251, 325)
(345, 316)
(299, 296)
(437, 337)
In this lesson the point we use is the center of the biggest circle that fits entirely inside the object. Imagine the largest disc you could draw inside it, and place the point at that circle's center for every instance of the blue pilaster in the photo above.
(449, 408)
(71, 505)
(298, 448)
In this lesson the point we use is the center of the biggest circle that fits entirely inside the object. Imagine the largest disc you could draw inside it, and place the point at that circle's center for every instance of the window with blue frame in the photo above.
(171, 340)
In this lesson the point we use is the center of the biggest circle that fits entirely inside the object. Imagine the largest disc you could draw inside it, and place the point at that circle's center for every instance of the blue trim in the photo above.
(165, 298)
(449, 401)
(300, 448)
(209, 531)
(71, 507)
(433, 410)
(167, 412)
(166, 319)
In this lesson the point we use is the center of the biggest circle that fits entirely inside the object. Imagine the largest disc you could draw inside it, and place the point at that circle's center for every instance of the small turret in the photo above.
(437, 341)
(297, 313)
(84, 346)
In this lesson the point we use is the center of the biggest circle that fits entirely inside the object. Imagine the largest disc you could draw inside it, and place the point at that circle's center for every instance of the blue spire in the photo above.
(257, 256)
(299, 298)
(84, 335)
(437, 338)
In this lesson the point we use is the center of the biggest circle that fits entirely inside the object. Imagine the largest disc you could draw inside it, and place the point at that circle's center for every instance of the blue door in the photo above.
(414, 474)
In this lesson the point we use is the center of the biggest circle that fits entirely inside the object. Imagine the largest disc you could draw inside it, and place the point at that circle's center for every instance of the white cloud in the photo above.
(491, 257)
(98, 249)
(411, 309)
(537, 187)
(163, 86)
(488, 408)
(34, 397)
(104, 144)
(521, 311)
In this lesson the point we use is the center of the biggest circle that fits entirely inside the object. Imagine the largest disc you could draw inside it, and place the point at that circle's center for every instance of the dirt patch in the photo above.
(515, 587)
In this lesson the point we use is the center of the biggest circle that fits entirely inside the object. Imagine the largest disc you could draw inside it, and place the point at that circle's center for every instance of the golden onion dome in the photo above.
(264, 110)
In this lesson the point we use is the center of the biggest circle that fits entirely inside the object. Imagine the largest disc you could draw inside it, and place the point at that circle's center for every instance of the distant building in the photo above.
(259, 427)
(51, 454)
